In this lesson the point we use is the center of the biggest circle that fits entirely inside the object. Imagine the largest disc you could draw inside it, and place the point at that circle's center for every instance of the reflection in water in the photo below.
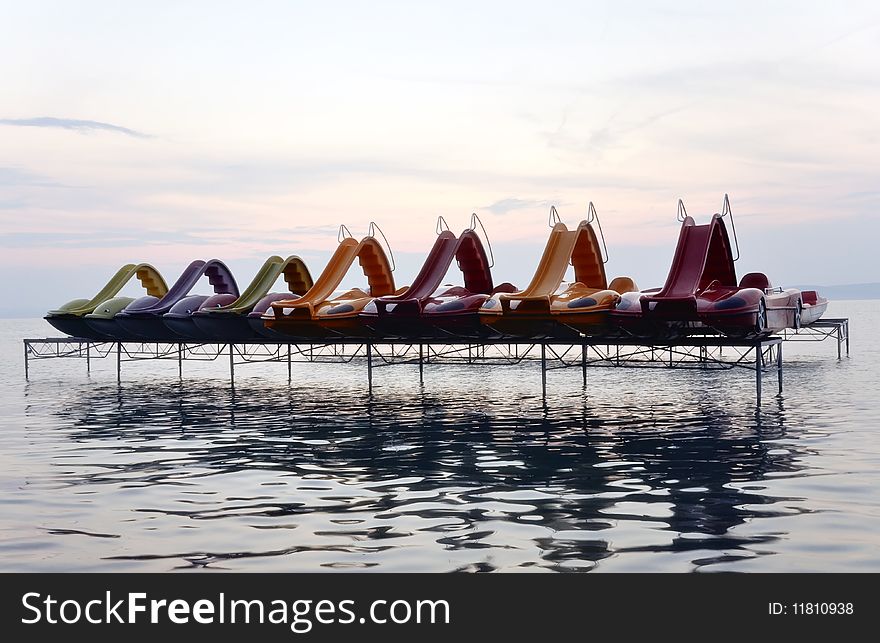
(284, 478)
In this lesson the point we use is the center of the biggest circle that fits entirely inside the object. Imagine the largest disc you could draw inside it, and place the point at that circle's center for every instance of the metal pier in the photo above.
(821, 330)
(708, 352)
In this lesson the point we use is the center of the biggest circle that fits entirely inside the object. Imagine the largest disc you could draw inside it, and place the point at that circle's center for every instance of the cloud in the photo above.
(506, 205)
(135, 236)
(608, 135)
(15, 177)
(72, 124)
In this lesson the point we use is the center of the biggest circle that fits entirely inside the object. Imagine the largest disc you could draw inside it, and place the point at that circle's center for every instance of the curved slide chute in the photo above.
(143, 318)
(701, 290)
(542, 307)
(318, 313)
(70, 318)
(229, 321)
(703, 256)
(426, 308)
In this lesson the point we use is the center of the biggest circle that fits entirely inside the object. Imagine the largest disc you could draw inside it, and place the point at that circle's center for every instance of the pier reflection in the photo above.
(470, 482)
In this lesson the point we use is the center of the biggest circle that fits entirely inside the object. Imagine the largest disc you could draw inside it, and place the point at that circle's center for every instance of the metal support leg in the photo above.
(231, 367)
(421, 365)
(289, 373)
(584, 363)
(839, 339)
(26, 365)
(779, 365)
(370, 367)
(180, 361)
(544, 370)
(118, 362)
(759, 367)
(89, 358)
(846, 325)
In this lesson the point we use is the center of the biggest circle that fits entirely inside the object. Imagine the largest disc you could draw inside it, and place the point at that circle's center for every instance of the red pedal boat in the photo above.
(701, 293)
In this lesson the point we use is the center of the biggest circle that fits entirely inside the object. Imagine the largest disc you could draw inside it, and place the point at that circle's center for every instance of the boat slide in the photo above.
(542, 307)
(220, 319)
(426, 307)
(701, 289)
(70, 318)
(318, 313)
(143, 318)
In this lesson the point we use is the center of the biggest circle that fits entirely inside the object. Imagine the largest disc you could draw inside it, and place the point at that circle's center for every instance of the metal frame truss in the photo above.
(708, 352)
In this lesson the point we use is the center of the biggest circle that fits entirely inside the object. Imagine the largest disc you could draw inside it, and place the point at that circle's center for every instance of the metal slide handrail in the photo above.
(344, 233)
(473, 226)
(726, 211)
(554, 217)
(441, 225)
(593, 216)
(682, 212)
(371, 232)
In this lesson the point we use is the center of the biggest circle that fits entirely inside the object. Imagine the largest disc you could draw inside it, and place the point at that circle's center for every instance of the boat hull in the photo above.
(73, 325)
(348, 327)
(521, 326)
(781, 311)
(811, 314)
(403, 327)
(147, 328)
(730, 311)
(111, 330)
(258, 325)
(232, 328)
(734, 325)
(457, 313)
(300, 329)
(468, 325)
(184, 328)
(592, 323)
(814, 307)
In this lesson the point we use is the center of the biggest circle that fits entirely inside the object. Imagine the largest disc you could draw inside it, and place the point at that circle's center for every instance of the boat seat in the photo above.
(505, 287)
(455, 291)
(755, 280)
(623, 285)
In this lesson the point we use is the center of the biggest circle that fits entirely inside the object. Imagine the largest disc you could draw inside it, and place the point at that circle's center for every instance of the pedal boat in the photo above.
(219, 320)
(548, 307)
(701, 294)
(427, 308)
(325, 311)
(72, 318)
(143, 319)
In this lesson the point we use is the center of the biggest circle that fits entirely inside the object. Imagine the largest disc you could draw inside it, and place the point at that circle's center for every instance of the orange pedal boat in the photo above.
(546, 307)
(322, 312)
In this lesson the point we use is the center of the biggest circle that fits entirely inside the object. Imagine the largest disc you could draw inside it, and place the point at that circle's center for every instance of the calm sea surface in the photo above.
(640, 471)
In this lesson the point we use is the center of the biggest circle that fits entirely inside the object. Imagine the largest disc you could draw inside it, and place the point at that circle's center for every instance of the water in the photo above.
(643, 471)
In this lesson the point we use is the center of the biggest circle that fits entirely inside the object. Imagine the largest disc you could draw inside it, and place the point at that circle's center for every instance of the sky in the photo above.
(169, 131)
